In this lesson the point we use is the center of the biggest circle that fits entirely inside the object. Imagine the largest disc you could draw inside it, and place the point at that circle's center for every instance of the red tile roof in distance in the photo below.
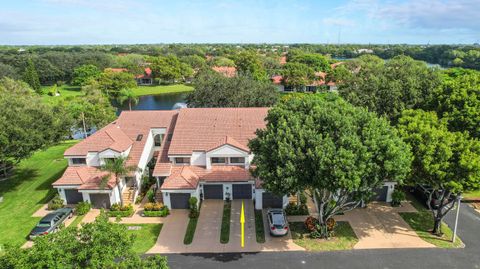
(277, 79)
(228, 71)
(116, 70)
(201, 129)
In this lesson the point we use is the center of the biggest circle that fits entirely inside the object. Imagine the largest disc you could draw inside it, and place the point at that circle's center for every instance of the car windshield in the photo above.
(278, 220)
(43, 224)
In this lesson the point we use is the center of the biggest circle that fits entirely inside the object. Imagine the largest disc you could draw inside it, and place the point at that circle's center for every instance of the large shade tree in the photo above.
(249, 62)
(320, 143)
(390, 87)
(26, 124)
(448, 162)
(82, 75)
(101, 244)
(458, 100)
(216, 90)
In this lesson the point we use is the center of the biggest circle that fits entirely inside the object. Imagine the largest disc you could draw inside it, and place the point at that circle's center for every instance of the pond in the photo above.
(156, 102)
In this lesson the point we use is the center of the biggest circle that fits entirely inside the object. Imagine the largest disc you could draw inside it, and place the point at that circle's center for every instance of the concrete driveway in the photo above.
(380, 226)
(207, 233)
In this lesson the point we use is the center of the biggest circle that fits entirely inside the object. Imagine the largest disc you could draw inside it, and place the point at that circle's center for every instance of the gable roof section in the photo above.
(201, 129)
(188, 177)
(109, 137)
(87, 177)
(227, 140)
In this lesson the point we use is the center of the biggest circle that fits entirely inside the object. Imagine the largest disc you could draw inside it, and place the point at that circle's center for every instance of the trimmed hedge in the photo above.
(120, 211)
(161, 213)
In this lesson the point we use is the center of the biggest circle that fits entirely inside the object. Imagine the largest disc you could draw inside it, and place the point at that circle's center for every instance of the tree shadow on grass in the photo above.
(19, 175)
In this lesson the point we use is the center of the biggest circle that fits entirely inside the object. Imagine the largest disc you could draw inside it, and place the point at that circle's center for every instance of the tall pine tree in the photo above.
(31, 76)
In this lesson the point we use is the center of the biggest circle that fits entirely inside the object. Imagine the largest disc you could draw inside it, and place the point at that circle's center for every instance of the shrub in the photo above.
(397, 197)
(153, 206)
(151, 196)
(161, 213)
(296, 210)
(55, 203)
(303, 198)
(311, 223)
(116, 210)
(192, 203)
(139, 199)
(82, 208)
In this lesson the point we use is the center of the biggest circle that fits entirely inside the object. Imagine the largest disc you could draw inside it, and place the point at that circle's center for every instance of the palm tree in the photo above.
(118, 168)
(127, 95)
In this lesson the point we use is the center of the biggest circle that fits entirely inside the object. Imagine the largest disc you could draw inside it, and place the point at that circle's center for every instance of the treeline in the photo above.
(57, 63)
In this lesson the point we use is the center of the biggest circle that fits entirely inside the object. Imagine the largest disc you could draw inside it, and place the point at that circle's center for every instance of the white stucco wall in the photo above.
(198, 158)
(391, 188)
(225, 151)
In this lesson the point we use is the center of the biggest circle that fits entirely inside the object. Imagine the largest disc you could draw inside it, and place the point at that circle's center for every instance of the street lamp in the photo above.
(459, 199)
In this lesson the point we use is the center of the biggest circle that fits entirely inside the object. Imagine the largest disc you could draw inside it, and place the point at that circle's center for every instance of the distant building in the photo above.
(228, 71)
(146, 78)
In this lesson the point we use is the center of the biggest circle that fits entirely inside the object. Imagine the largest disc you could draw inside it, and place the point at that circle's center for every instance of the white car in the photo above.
(277, 222)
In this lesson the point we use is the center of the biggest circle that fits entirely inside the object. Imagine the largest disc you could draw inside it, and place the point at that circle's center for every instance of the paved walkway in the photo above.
(380, 226)
(171, 237)
(91, 215)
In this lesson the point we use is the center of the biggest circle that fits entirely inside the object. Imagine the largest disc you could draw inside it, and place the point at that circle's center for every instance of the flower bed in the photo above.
(155, 210)
(120, 211)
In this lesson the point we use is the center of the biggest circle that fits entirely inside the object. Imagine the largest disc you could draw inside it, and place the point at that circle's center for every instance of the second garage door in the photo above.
(179, 200)
(242, 191)
(214, 191)
(100, 200)
(269, 200)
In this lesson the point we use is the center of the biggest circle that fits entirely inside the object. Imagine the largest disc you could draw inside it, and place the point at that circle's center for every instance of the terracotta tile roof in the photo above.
(277, 79)
(200, 129)
(227, 140)
(283, 60)
(336, 64)
(109, 137)
(87, 177)
(146, 74)
(188, 177)
(181, 178)
(228, 71)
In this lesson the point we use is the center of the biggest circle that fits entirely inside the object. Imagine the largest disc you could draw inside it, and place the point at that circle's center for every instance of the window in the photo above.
(79, 161)
(157, 139)
(139, 137)
(218, 160)
(237, 160)
(182, 160)
(108, 159)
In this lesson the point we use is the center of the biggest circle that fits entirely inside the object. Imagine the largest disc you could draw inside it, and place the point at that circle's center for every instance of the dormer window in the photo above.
(78, 161)
(237, 160)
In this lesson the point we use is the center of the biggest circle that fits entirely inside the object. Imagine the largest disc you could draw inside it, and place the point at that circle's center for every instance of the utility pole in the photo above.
(459, 200)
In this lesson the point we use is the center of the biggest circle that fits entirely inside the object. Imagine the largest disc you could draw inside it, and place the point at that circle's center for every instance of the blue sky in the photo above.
(262, 21)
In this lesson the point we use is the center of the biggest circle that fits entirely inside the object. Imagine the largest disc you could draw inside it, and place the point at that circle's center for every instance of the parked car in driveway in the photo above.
(51, 222)
(277, 222)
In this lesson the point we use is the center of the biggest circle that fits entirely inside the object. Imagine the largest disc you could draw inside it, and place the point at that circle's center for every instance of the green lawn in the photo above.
(65, 91)
(145, 237)
(344, 238)
(76, 221)
(27, 190)
(471, 195)
(422, 223)
(225, 229)
(259, 228)
(160, 89)
(190, 232)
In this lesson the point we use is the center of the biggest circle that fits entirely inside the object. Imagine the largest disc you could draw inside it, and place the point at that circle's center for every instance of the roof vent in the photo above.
(140, 137)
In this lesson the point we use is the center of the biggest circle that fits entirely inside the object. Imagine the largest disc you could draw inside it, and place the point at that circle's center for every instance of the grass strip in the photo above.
(259, 228)
(192, 225)
(225, 231)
